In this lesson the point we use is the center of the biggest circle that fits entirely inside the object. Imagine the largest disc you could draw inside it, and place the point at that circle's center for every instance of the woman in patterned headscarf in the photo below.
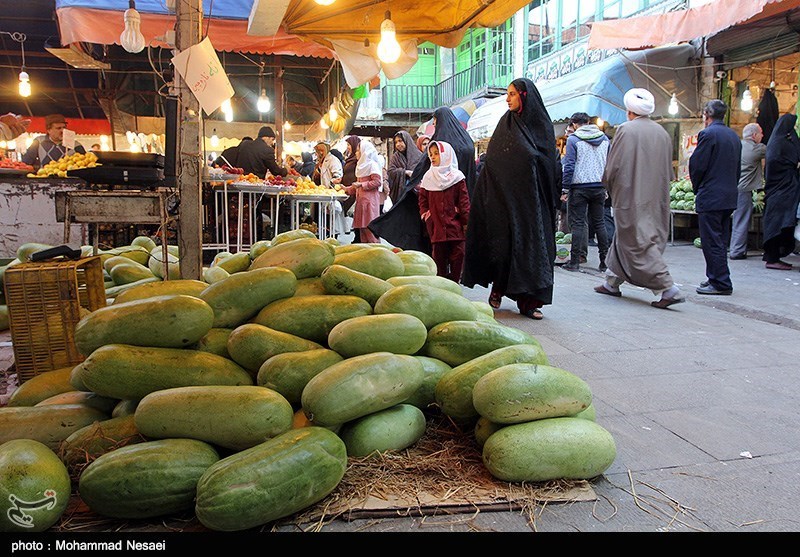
(401, 164)
(511, 232)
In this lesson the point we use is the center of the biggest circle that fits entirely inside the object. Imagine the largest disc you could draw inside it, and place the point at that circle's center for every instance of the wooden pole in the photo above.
(188, 27)
(278, 103)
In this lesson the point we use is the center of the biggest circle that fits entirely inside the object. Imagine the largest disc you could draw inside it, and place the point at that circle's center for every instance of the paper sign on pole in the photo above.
(200, 68)
(68, 139)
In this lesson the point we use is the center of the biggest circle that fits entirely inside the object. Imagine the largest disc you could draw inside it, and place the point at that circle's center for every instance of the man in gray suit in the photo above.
(752, 178)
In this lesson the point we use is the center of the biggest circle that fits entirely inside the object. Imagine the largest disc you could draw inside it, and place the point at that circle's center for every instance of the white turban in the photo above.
(640, 101)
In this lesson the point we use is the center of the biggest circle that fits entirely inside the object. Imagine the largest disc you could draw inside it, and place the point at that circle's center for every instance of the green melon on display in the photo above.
(549, 449)
(34, 486)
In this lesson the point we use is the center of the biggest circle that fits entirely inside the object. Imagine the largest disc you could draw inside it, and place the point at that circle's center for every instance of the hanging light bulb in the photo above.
(673, 105)
(214, 139)
(263, 103)
(287, 126)
(324, 2)
(227, 110)
(333, 114)
(323, 124)
(24, 84)
(131, 38)
(388, 48)
(747, 101)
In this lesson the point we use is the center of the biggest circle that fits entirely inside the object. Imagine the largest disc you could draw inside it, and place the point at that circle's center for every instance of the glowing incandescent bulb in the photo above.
(263, 104)
(388, 48)
(214, 139)
(24, 84)
(131, 38)
(673, 105)
(322, 124)
(324, 2)
(747, 101)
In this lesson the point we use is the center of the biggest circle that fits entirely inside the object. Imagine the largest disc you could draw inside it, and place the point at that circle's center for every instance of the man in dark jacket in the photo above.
(714, 169)
(258, 156)
(230, 156)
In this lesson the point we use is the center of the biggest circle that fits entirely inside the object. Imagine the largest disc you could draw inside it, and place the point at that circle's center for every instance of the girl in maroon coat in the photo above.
(444, 206)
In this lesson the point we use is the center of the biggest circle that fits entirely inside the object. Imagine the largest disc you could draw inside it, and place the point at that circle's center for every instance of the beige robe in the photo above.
(637, 176)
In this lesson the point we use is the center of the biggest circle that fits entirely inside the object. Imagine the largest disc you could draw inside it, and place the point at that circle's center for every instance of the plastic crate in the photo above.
(44, 304)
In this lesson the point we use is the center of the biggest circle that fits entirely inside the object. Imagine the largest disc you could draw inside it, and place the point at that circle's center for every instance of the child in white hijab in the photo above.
(367, 189)
(444, 206)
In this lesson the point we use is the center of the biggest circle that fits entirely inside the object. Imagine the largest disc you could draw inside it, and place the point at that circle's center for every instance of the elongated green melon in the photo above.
(398, 333)
(458, 342)
(272, 480)
(132, 372)
(549, 449)
(251, 344)
(430, 305)
(171, 321)
(393, 429)
(34, 486)
(145, 480)
(311, 317)
(523, 392)
(234, 417)
(359, 386)
(289, 372)
(240, 296)
(453, 392)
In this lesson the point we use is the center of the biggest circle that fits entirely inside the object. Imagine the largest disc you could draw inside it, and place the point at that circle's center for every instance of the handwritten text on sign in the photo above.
(201, 69)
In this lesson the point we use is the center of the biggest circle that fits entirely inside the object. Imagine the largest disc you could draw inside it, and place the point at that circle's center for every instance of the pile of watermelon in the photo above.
(242, 396)
(681, 195)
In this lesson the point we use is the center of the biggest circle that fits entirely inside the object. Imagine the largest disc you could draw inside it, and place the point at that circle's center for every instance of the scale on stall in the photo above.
(123, 169)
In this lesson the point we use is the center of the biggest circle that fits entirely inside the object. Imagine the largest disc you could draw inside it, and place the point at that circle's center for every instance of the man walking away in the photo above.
(637, 176)
(714, 169)
(584, 163)
(751, 179)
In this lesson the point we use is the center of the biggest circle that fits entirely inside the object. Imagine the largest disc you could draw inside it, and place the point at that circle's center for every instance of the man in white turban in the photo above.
(639, 101)
(637, 175)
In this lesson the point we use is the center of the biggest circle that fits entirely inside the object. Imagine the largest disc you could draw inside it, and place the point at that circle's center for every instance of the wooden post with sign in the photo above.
(188, 27)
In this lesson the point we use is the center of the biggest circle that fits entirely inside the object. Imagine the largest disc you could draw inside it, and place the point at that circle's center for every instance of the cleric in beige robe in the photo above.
(637, 176)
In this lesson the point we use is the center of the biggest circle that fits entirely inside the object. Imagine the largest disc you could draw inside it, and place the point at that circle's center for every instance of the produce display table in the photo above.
(326, 210)
(254, 192)
(248, 197)
(672, 214)
(755, 225)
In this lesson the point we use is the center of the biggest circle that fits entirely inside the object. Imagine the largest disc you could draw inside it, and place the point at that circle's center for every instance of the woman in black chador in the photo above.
(511, 231)
(781, 192)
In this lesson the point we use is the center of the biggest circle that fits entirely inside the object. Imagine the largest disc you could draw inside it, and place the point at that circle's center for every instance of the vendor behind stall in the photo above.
(258, 156)
(49, 147)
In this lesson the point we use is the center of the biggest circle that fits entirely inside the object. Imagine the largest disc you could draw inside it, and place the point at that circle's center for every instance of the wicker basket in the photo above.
(45, 300)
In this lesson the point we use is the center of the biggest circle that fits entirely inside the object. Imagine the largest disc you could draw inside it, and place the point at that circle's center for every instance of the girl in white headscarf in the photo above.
(367, 189)
(444, 206)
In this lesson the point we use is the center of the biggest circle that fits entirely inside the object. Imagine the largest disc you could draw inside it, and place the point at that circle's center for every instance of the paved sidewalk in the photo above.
(701, 399)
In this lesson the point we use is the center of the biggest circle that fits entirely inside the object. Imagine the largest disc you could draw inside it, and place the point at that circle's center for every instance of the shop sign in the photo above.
(201, 69)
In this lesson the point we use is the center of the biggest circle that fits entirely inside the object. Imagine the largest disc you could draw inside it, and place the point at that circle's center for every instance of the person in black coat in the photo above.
(714, 169)
(512, 223)
(781, 192)
(258, 156)
(230, 156)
